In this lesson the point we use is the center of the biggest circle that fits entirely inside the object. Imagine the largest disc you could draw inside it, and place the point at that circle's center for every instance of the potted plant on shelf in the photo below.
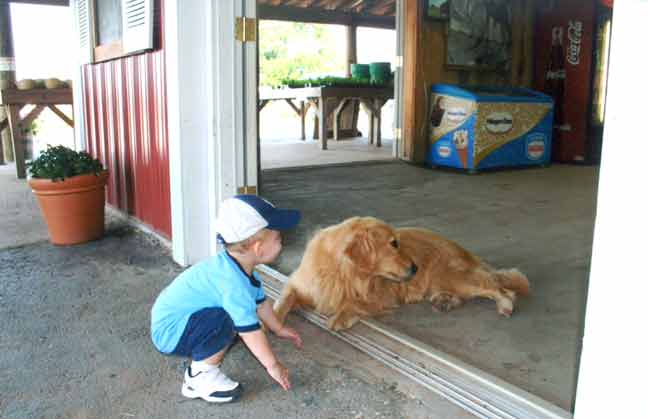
(70, 187)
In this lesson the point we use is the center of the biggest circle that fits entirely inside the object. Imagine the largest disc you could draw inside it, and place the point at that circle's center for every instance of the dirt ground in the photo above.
(74, 343)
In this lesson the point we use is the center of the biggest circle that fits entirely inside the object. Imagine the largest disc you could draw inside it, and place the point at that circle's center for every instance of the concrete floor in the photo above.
(74, 340)
(539, 220)
(20, 222)
(296, 153)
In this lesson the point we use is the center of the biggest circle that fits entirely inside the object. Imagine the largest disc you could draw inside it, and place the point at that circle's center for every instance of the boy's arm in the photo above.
(260, 347)
(268, 317)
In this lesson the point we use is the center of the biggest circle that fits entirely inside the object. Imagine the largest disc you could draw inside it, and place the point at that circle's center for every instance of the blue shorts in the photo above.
(208, 331)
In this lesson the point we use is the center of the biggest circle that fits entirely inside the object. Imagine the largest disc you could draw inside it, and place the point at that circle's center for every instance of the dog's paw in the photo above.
(505, 307)
(337, 323)
(445, 302)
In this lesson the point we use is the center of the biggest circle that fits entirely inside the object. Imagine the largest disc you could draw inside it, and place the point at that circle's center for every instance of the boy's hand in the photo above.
(289, 333)
(280, 374)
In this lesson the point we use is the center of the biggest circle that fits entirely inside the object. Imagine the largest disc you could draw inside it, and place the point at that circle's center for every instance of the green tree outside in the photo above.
(295, 50)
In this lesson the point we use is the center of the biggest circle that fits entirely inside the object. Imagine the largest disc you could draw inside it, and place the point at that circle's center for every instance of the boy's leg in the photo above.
(207, 336)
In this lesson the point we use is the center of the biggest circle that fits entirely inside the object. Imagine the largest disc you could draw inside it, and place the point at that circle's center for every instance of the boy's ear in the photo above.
(256, 246)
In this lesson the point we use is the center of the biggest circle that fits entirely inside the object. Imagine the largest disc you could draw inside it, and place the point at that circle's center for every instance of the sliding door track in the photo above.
(480, 393)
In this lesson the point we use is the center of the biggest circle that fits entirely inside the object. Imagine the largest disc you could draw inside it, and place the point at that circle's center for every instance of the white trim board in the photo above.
(476, 391)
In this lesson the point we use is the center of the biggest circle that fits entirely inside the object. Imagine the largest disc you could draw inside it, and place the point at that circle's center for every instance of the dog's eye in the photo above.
(394, 243)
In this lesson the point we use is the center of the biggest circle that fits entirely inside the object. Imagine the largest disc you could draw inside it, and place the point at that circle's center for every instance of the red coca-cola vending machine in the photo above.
(571, 44)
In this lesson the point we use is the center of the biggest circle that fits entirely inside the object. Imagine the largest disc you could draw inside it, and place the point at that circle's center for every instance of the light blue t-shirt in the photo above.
(215, 282)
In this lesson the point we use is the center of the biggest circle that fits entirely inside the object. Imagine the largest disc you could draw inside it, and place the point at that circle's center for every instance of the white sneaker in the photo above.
(212, 385)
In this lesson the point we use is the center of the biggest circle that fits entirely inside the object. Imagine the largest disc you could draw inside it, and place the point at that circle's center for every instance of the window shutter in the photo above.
(137, 25)
(84, 15)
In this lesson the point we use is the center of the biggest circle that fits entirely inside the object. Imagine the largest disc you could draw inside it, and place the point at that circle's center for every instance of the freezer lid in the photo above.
(491, 93)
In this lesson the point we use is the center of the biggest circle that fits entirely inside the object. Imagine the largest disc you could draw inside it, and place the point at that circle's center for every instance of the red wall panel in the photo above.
(126, 128)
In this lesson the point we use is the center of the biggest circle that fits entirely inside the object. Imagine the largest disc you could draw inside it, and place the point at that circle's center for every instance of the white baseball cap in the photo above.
(242, 216)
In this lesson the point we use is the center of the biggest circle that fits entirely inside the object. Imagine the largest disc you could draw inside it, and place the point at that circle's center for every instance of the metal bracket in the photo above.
(245, 29)
(248, 190)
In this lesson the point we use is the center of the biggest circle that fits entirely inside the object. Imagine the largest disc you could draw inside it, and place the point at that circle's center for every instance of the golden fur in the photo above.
(362, 267)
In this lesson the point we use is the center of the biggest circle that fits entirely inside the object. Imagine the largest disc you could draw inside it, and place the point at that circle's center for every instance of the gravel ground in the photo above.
(74, 343)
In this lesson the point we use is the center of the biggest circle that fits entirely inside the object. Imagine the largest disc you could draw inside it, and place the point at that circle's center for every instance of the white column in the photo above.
(206, 119)
(186, 48)
(613, 368)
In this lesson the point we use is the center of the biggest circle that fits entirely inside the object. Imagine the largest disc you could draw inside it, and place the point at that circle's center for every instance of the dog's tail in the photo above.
(514, 280)
(285, 303)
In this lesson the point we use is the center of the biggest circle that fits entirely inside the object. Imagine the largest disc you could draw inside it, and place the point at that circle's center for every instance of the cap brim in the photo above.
(283, 219)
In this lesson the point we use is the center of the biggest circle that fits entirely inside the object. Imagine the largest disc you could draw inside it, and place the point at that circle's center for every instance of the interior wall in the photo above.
(424, 65)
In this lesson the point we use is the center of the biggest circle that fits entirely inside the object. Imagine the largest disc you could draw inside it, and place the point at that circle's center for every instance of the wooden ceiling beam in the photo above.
(43, 2)
(313, 15)
(383, 7)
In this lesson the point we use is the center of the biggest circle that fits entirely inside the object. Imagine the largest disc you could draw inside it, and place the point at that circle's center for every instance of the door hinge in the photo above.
(245, 29)
(397, 134)
(248, 190)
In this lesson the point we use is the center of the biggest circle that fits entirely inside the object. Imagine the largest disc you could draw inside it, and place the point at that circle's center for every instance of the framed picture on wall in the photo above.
(479, 34)
(436, 9)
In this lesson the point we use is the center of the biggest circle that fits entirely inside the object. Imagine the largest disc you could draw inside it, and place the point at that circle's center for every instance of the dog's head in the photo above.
(373, 248)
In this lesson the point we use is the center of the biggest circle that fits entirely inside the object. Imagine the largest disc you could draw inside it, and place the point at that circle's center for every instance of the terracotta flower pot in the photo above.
(73, 208)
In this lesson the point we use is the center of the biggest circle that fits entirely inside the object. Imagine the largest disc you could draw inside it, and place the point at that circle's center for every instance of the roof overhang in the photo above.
(371, 13)
(41, 2)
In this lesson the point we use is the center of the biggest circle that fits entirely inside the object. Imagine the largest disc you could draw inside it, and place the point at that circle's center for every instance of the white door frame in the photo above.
(398, 80)
(206, 120)
(613, 366)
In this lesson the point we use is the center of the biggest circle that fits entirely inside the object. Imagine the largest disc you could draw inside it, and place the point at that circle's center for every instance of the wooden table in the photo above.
(15, 100)
(371, 98)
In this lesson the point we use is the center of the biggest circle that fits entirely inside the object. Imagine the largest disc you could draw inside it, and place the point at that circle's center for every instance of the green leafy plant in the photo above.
(60, 162)
(329, 81)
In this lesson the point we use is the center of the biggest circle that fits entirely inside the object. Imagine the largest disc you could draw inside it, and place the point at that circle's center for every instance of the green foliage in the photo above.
(330, 81)
(58, 163)
(295, 50)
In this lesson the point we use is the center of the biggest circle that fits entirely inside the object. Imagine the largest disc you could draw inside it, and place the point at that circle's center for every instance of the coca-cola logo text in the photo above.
(574, 34)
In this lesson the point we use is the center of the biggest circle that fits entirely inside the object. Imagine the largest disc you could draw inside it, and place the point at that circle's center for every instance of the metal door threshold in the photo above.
(476, 391)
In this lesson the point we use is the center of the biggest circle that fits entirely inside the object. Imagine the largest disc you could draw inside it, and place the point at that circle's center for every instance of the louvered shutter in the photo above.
(137, 25)
(84, 15)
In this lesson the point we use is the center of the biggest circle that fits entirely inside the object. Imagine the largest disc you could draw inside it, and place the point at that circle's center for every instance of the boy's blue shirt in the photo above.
(215, 282)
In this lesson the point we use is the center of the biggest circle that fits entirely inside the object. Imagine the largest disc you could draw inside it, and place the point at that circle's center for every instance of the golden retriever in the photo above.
(362, 267)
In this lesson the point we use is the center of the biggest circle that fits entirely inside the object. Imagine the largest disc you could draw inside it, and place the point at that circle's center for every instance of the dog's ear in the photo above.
(360, 250)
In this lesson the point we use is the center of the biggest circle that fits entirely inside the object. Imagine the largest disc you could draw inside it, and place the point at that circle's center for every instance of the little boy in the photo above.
(199, 314)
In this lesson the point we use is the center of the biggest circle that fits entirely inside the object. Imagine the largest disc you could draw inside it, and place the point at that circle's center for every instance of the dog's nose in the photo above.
(413, 269)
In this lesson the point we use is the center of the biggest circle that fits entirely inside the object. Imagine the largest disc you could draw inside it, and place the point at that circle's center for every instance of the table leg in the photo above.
(337, 114)
(2, 158)
(372, 127)
(322, 123)
(17, 138)
(302, 114)
(378, 121)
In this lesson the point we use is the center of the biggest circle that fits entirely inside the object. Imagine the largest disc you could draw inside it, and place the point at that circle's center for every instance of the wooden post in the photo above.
(350, 117)
(8, 73)
(18, 142)
(352, 47)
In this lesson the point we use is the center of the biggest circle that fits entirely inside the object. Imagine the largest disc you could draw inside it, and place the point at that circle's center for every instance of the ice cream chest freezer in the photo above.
(477, 128)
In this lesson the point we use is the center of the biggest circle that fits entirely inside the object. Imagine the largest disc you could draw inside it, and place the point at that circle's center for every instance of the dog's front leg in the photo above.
(343, 319)
(350, 313)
